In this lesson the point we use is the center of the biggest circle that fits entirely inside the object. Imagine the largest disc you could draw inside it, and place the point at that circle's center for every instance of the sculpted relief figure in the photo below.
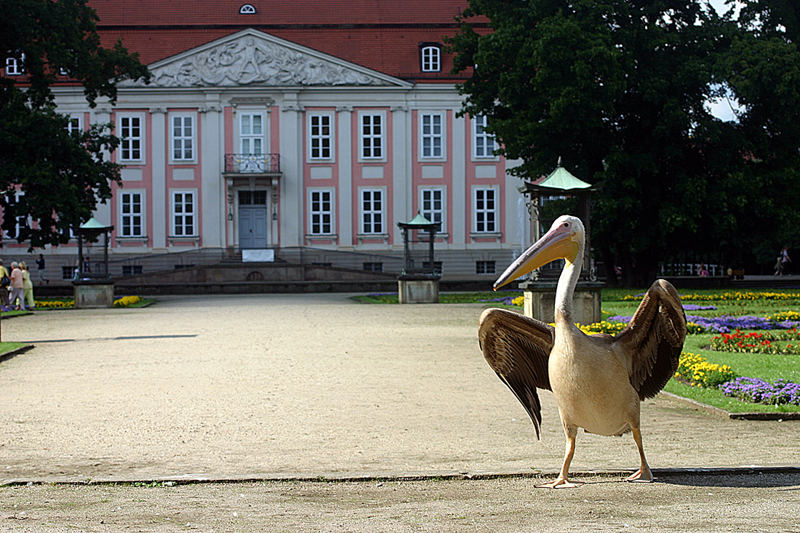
(250, 60)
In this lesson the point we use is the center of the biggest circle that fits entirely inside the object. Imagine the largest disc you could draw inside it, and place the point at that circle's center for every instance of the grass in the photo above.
(6, 347)
(764, 366)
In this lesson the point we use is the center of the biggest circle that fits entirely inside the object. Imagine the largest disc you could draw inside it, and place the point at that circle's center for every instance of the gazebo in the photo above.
(419, 280)
(540, 295)
(92, 285)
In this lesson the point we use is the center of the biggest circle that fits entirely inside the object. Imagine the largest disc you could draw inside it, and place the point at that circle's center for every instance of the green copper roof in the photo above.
(561, 179)
(419, 220)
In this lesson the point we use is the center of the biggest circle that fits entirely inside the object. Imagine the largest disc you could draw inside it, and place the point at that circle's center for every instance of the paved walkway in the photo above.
(301, 386)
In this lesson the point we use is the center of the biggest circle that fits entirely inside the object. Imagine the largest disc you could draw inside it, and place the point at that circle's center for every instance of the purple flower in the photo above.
(757, 390)
(693, 307)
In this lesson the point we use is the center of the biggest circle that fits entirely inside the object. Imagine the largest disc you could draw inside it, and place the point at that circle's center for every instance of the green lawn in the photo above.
(6, 347)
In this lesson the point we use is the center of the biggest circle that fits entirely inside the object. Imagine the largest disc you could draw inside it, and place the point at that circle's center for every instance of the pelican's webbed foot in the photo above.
(641, 476)
(561, 483)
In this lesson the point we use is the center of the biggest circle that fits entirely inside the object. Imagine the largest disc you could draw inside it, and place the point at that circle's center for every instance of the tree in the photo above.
(50, 179)
(619, 89)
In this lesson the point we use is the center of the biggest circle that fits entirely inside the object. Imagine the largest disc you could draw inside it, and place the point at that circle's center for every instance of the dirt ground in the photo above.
(274, 387)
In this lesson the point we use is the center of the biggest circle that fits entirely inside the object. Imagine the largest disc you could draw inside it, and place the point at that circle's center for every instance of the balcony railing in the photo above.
(252, 163)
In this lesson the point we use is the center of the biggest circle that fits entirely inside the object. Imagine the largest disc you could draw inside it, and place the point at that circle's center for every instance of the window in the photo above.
(485, 210)
(131, 270)
(431, 201)
(372, 136)
(320, 136)
(484, 267)
(21, 222)
(132, 137)
(183, 220)
(431, 58)
(437, 266)
(431, 135)
(247, 9)
(372, 211)
(483, 142)
(321, 211)
(251, 133)
(182, 137)
(75, 126)
(373, 267)
(14, 66)
(131, 221)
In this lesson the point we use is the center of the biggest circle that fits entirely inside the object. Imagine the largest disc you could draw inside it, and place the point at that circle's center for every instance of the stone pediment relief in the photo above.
(251, 57)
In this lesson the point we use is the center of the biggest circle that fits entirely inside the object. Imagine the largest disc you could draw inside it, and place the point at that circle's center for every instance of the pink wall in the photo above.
(146, 183)
(498, 182)
(308, 181)
(446, 181)
(384, 182)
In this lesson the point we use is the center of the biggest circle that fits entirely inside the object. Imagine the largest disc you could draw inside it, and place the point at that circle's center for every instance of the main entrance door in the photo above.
(252, 219)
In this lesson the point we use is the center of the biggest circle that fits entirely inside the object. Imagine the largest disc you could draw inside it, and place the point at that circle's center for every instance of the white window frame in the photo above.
(363, 136)
(494, 211)
(125, 226)
(429, 212)
(330, 213)
(488, 141)
(248, 137)
(182, 138)
(427, 131)
(363, 213)
(21, 221)
(431, 58)
(129, 143)
(178, 211)
(316, 138)
(15, 66)
(75, 124)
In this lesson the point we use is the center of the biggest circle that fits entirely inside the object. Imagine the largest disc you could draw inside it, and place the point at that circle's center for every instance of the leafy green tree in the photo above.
(52, 180)
(620, 90)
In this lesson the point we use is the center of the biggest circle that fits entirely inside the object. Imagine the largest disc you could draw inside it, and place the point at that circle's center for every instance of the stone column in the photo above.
(159, 202)
(344, 193)
(212, 186)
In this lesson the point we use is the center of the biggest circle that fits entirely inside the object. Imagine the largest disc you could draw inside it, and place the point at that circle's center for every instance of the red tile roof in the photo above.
(378, 34)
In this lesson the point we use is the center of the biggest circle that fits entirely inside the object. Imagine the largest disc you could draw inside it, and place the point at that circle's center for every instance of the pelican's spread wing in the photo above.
(517, 348)
(653, 339)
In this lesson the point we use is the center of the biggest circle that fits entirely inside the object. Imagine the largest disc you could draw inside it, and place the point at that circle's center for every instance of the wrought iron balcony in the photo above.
(252, 163)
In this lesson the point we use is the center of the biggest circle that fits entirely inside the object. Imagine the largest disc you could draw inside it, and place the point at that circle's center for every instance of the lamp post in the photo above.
(419, 281)
(93, 286)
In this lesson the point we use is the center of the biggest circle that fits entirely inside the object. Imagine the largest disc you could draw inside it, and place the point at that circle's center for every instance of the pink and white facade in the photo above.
(253, 141)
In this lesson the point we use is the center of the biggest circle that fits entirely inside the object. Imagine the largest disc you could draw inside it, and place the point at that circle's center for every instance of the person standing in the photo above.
(27, 286)
(5, 281)
(17, 290)
(40, 269)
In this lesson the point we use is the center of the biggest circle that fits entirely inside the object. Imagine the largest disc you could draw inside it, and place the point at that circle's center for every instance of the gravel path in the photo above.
(302, 386)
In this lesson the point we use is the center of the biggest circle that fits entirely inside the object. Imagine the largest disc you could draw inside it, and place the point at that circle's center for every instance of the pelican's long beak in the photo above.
(555, 244)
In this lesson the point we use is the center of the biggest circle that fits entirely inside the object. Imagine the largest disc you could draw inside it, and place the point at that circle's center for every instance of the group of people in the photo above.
(16, 287)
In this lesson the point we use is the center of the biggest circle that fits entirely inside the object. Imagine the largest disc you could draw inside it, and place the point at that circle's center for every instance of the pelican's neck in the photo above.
(566, 288)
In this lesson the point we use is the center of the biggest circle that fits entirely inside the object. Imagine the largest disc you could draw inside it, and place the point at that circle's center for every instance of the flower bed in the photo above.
(726, 323)
(755, 342)
(748, 296)
(69, 303)
(756, 390)
(696, 371)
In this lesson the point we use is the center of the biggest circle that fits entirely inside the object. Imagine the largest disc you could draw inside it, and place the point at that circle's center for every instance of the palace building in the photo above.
(296, 126)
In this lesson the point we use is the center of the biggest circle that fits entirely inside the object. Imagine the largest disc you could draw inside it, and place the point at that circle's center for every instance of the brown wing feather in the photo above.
(654, 339)
(517, 348)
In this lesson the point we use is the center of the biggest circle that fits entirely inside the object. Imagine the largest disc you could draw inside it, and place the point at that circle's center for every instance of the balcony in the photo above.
(253, 164)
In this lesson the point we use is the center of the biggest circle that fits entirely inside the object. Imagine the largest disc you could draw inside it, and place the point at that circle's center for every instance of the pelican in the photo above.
(598, 381)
